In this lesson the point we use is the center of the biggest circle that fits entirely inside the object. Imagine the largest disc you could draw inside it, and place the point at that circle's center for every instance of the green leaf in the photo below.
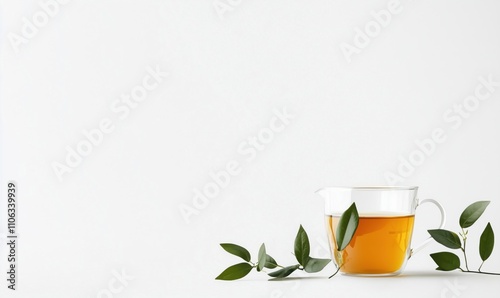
(236, 250)
(486, 242)
(235, 272)
(446, 238)
(302, 248)
(284, 272)
(316, 265)
(262, 257)
(348, 224)
(270, 262)
(446, 261)
(472, 213)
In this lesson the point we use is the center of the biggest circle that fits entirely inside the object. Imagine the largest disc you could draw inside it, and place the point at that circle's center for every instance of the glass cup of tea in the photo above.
(381, 244)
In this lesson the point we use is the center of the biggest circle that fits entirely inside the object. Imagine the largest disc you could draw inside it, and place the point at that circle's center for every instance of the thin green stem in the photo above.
(479, 269)
(464, 236)
(482, 272)
(465, 257)
(338, 268)
(478, 272)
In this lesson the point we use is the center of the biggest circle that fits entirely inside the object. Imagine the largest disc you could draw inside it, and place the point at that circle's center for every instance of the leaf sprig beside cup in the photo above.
(448, 261)
(346, 228)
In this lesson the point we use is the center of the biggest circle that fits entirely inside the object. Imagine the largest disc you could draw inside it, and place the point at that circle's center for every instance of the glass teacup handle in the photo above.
(441, 225)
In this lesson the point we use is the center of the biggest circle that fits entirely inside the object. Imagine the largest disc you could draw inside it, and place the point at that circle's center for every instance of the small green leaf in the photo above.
(316, 265)
(270, 262)
(235, 272)
(347, 226)
(284, 272)
(446, 238)
(262, 257)
(302, 248)
(472, 213)
(446, 261)
(486, 242)
(236, 250)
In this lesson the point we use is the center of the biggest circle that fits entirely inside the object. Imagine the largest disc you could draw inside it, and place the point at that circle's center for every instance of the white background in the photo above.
(119, 208)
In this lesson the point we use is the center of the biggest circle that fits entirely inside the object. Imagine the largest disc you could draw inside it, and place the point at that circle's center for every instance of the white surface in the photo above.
(119, 208)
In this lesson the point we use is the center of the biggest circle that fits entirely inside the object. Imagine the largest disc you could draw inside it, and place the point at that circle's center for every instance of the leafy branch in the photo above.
(346, 228)
(448, 261)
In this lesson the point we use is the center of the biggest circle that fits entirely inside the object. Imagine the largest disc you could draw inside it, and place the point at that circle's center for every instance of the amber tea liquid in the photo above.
(379, 246)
